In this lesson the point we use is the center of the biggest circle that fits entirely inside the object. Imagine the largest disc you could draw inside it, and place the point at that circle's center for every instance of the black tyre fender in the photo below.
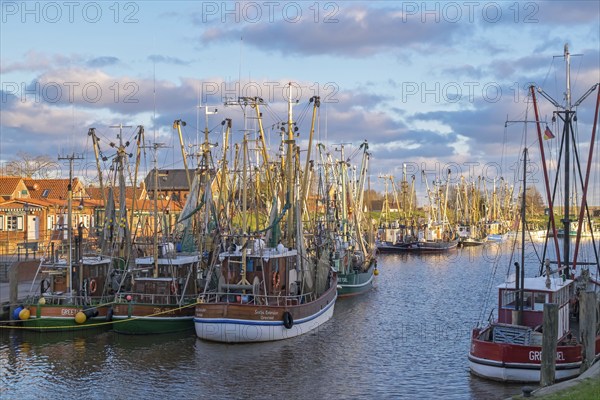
(288, 320)
(44, 286)
(109, 315)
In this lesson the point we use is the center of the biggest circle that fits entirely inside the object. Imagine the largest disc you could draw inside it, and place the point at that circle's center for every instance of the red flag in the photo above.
(548, 133)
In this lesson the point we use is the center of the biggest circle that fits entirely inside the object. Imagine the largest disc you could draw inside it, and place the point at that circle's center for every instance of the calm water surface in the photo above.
(408, 338)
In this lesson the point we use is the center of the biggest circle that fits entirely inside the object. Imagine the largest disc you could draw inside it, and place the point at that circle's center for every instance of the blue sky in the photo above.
(429, 84)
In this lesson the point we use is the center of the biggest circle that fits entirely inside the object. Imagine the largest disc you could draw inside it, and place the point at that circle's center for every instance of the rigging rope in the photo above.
(275, 221)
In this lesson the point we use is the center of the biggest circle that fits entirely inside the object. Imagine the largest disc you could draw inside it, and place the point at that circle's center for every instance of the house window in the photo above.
(1, 222)
(50, 222)
(45, 193)
(14, 223)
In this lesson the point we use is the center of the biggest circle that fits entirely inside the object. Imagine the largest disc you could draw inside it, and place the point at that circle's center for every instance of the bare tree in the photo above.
(30, 166)
(534, 201)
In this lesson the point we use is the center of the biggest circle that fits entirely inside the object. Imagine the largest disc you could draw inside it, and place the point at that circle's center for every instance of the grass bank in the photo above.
(587, 389)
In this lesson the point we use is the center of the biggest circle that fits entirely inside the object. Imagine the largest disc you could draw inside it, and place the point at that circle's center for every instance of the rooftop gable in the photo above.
(168, 179)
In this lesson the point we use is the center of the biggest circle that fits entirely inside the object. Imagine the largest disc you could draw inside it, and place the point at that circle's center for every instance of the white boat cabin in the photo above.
(536, 292)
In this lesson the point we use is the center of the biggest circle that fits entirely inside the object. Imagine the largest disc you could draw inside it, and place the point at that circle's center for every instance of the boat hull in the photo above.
(519, 363)
(56, 318)
(356, 282)
(387, 247)
(418, 247)
(147, 319)
(471, 242)
(434, 246)
(243, 323)
(495, 238)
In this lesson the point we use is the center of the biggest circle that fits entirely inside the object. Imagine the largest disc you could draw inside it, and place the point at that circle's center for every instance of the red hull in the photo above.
(521, 363)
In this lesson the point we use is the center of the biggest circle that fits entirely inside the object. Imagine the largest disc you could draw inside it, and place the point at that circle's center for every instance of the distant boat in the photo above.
(585, 231)
(396, 236)
(437, 234)
(468, 235)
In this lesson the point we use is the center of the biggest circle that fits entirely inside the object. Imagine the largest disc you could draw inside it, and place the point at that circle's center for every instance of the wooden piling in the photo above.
(549, 339)
(13, 288)
(587, 328)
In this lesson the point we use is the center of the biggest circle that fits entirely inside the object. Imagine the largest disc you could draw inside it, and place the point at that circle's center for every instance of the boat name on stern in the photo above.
(537, 356)
(160, 310)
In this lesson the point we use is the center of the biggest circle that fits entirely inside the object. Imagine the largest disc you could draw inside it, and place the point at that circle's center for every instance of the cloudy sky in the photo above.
(428, 84)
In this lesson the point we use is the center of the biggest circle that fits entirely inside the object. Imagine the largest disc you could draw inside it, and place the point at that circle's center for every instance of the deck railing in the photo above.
(270, 300)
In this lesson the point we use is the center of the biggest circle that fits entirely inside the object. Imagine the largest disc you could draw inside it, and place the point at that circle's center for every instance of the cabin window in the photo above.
(562, 296)
(539, 300)
(527, 301)
(509, 299)
(14, 223)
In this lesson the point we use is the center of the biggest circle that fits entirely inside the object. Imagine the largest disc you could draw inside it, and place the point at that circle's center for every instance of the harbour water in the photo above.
(408, 338)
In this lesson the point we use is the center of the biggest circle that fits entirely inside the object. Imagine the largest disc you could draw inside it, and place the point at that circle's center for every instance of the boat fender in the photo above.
(93, 286)
(80, 317)
(109, 315)
(24, 314)
(276, 280)
(288, 320)
(90, 312)
(16, 312)
(44, 286)
(85, 314)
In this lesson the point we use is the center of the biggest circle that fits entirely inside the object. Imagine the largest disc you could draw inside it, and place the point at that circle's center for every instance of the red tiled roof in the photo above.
(161, 205)
(49, 188)
(8, 184)
(19, 203)
(96, 194)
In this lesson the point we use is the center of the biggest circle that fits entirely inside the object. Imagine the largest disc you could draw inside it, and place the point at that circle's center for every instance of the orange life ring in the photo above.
(174, 287)
(93, 286)
(276, 280)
